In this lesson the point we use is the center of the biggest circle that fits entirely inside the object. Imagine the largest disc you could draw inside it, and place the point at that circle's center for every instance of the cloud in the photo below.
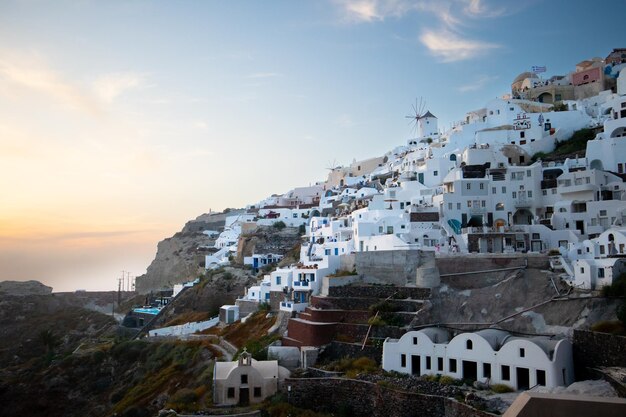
(110, 86)
(448, 12)
(451, 47)
(477, 84)
(33, 74)
(479, 8)
(357, 11)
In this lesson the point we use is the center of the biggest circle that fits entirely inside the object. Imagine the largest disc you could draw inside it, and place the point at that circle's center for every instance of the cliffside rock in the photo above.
(267, 239)
(180, 258)
(24, 288)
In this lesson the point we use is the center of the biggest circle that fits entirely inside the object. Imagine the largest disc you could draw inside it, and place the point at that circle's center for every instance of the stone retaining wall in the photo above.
(379, 291)
(361, 398)
(397, 267)
(594, 349)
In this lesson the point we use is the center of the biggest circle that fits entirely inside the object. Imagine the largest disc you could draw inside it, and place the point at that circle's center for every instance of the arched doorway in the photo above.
(545, 98)
(523, 216)
(596, 164)
(619, 132)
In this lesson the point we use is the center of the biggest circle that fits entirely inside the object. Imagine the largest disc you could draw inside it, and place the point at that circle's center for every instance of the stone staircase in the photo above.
(343, 314)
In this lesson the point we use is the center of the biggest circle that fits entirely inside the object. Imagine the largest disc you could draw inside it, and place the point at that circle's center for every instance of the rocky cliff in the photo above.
(180, 258)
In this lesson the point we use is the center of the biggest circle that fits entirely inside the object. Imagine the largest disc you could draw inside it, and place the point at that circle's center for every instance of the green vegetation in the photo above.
(376, 321)
(442, 379)
(343, 273)
(559, 106)
(501, 388)
(354, 366)
(280, 225)
(577, 143)
(612, 327)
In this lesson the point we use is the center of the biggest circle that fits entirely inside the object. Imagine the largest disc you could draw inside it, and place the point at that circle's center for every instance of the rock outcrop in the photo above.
(180, 258)
(24, 288)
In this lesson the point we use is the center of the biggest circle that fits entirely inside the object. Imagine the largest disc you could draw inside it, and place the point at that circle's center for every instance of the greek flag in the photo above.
(537, 69)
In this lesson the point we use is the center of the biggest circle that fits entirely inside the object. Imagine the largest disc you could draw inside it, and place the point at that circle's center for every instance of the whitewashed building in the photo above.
(491, 356)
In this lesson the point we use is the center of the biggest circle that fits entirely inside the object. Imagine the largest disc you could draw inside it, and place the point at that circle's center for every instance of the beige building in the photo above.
(246, 381)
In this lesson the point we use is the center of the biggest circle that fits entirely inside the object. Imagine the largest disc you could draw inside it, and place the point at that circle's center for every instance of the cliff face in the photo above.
(180, 258)
(268, 240)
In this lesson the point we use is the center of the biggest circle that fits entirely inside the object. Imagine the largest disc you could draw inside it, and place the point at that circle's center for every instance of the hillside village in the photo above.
(463, 271)
(533, 182)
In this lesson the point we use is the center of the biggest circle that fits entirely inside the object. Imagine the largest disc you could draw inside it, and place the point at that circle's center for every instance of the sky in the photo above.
(122, 120)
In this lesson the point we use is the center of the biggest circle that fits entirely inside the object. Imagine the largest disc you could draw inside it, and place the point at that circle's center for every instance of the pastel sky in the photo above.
(121, 120)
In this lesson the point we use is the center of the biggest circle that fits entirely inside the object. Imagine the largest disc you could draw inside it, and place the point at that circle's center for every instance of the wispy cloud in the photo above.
(110, 86)
(32, 73)
(451, 47)
(477, 84)
(356, 11)
(449, 42)
(450, 12)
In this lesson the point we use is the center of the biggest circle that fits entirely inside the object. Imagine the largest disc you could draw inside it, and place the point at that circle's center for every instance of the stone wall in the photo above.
(594, 349)
(456, 270)
(380, 291)
(246, 307)
(276, 297)
(397, 267)
(338, 350)
(361, 398)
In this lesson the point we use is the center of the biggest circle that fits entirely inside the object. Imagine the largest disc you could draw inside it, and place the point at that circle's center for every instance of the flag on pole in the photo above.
(537, 69)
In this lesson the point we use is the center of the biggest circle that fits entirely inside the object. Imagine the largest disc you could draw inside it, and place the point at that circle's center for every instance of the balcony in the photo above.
(291, 306)
(302, 285)
(522, 202)
(477, 210)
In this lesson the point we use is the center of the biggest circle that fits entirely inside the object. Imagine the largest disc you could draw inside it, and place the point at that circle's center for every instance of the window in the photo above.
(587, 180)
(522, 142)
(530, 194)
(257, 391)
(522, 159)
(449, 206)
(541, 377)
(514, 194)
(435, 173)
(522, 134)
(483, 203)
(277, 280)
(536, 236)
(486, 370)
(602, 249)
(415, 340)
(544, 192)
(403, 360)
(528, 172)
(468, 186)
(522, 352)
(440, 364)
(493, 190)
(469, 203)
(482, 186)
(452, 365)
(231, 392)
(503, 190)
(600, 272)
(458, 206)
(244, 378)
(469, 344)
(428, 362)
(506, 373)
(603, 213)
